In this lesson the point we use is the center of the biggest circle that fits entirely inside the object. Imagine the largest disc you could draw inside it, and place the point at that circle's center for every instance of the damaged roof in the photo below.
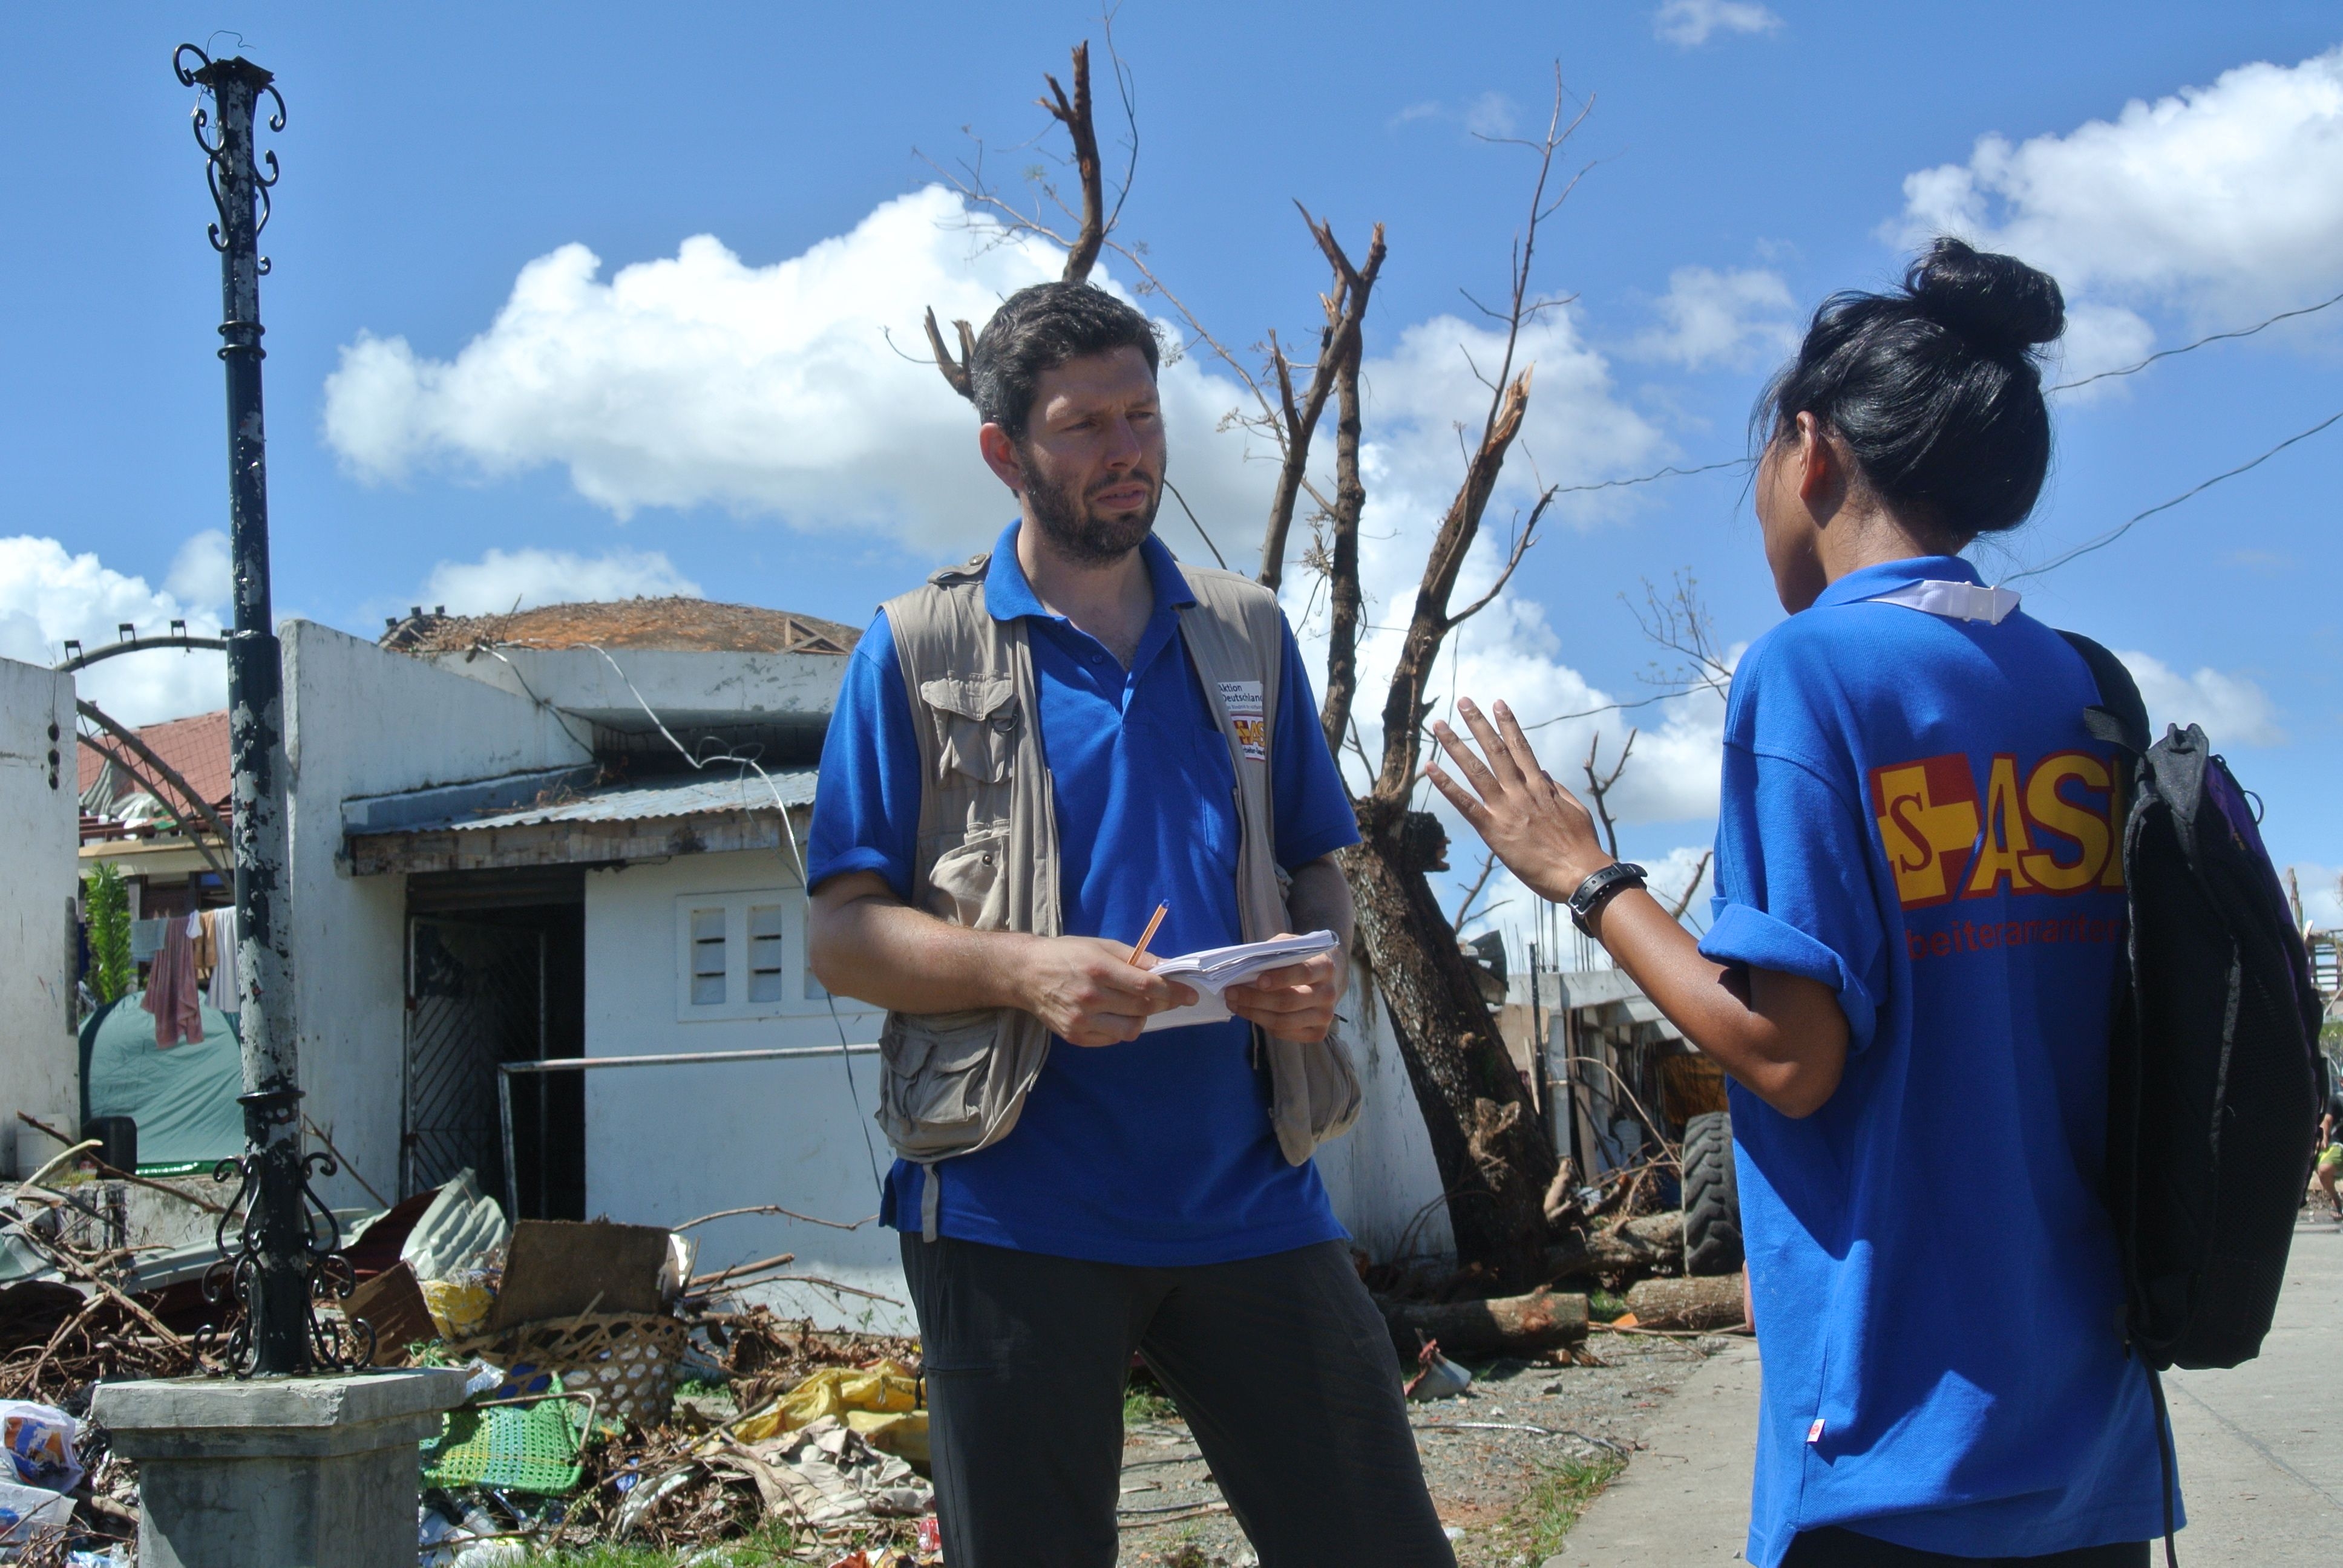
(549, 819)
(197, 748)
(673, 624)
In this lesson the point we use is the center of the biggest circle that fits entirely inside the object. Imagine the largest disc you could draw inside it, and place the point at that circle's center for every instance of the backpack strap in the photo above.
(2120, 716)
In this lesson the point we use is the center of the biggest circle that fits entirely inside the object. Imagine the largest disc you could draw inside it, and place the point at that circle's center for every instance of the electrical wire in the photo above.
(2120, 530)
(2201, 342)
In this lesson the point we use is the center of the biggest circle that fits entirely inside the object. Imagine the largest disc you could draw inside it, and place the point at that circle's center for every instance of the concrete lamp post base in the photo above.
(278, 1473)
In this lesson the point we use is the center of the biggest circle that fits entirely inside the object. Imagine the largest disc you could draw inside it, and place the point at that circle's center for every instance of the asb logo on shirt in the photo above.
(2052, 830)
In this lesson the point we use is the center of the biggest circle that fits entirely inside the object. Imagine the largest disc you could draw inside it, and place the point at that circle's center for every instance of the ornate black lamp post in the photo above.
(278, 1266)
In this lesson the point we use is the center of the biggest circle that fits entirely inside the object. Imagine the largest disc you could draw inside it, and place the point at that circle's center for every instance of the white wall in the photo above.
(39, 865)
(1380, 1175)
(664, 1145)
(361, 721)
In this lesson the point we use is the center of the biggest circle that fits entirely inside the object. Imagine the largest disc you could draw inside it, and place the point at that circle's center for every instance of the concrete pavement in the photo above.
(2260, 1447)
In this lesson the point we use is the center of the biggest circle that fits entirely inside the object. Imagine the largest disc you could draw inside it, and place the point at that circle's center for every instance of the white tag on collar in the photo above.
(1954, 601)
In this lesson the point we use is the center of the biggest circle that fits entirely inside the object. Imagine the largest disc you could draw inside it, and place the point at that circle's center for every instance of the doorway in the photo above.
(494, 973)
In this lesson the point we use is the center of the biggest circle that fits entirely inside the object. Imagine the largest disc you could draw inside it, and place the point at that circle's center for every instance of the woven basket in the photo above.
(522, 1447)
(626, 1359)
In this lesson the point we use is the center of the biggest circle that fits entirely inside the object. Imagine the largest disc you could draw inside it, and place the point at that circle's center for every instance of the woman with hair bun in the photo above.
(1919, 912)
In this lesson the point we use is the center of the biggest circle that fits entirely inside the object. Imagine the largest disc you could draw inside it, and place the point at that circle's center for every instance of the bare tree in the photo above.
(1493, 1157)
(1494, 1161)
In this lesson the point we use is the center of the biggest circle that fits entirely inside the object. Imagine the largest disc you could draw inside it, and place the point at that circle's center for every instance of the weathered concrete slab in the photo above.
(2260, 1465)
(290, 1473)
(1685, 1496)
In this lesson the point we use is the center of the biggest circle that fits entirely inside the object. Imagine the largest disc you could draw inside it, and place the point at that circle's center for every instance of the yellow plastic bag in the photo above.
(458, 1307)
(881, 1402)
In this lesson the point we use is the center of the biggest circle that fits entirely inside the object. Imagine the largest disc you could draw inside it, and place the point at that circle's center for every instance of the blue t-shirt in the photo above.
(1914, 815)
(1159, 1151)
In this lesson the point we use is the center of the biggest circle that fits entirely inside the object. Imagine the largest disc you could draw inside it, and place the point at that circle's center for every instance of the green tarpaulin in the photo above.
(183, 1097)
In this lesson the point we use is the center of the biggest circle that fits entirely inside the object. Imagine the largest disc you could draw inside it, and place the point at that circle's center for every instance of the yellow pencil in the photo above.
(1148, 935)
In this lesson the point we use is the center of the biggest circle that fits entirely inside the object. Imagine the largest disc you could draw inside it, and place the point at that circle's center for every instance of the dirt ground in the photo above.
(1524, 1442)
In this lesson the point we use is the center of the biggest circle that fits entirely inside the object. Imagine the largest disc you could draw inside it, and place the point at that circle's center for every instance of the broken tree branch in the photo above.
(1464, 909)
(1599, 786)
(1543, 1320)
(1691, 887)
(1521, 548)
(1338, 344)
(1094, 224)
(954, 370)
(1346, 596)
(1075, 116)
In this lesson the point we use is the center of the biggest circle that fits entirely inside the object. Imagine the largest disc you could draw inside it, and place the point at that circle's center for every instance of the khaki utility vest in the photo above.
(988, 856)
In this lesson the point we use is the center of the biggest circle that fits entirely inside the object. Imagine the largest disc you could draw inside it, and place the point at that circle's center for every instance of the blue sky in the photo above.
(730, 419)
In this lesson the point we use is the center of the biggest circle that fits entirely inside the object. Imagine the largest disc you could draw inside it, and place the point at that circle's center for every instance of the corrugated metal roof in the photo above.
(703, 795)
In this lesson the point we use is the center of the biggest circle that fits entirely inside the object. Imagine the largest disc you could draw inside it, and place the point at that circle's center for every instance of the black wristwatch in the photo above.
(1614, 877)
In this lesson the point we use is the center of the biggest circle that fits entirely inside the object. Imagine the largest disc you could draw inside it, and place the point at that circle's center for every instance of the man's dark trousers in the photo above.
(1281, 1365)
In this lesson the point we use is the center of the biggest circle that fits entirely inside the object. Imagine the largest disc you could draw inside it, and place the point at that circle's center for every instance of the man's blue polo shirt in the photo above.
(1160, 1152)
(1913, 816)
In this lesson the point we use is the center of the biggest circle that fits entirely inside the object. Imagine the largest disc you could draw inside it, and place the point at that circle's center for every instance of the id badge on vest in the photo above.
(1249, 716)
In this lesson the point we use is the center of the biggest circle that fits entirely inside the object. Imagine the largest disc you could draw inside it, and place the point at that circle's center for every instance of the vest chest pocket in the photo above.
(965, 883)
(976, 721)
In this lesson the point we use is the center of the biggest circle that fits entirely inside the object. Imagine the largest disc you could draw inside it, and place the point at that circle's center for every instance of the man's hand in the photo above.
(1089, 992)
(1296, 1002)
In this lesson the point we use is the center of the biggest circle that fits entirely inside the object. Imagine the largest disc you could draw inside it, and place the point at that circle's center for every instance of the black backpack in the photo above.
(2216, 1076)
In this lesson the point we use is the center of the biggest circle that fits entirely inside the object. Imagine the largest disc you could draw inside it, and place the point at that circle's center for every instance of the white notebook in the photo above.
(1211, 971)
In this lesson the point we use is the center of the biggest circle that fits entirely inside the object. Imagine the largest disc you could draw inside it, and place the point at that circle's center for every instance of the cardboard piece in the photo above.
(561, 1268)
(392, 1304)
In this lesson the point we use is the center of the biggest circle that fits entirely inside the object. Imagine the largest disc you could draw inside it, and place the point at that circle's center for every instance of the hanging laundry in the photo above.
(171, 994)
(199, 927)
(225, 987)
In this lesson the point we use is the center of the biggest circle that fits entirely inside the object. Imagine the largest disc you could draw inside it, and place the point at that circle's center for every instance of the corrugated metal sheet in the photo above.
(703, 795)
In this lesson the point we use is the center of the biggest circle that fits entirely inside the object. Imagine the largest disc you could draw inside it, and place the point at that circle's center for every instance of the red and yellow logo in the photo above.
(2055, 829)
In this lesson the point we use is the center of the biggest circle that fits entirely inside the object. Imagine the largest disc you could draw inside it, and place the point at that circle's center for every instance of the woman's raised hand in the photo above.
(1536, 827)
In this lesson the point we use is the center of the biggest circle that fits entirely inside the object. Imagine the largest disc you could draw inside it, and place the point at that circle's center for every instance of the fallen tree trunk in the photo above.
(1651, 1244)
(1711, 1302)
(1504, 1325)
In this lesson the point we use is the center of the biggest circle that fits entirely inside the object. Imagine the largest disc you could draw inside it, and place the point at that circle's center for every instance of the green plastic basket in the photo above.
(530, 1445)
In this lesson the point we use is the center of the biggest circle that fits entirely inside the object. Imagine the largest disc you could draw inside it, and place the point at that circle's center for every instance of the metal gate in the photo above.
(474, 997)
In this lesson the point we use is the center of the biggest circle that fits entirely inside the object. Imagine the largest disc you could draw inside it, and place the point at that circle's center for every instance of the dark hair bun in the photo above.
(1997, 302)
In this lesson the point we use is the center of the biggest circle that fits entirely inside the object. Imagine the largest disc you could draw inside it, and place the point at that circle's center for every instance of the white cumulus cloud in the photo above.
(2234, 710)
(48, 594)
(2222, 202)
(504, 580)
(1689, 24)
(701, 380)
(771, 390)
(200, 572)
(1709, 317)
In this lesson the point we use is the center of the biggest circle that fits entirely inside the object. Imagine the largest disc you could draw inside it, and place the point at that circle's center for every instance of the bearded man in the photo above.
(1030, 754)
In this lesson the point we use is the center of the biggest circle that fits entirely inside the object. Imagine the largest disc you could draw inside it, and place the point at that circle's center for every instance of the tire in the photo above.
(1711, 1196)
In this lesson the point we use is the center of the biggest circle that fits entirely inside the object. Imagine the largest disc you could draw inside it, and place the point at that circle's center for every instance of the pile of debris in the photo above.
(70, 1315)
(1621, 1241)
(577, 1337)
